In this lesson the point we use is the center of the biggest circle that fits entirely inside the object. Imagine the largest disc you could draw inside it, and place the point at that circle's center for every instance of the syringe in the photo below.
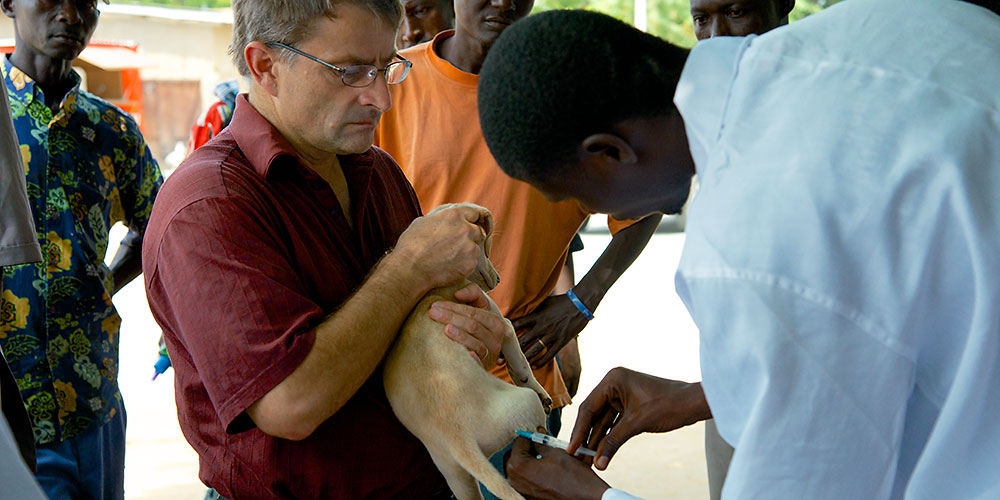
(550, 441)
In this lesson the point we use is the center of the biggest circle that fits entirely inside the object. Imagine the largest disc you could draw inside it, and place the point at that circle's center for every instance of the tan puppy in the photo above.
(443, 396)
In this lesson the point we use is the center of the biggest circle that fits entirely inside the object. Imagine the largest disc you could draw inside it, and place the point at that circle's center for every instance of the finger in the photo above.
(586, 416)
(622, 431)
(528, 337)
(522, 446)
(486, 326)
(520, 454)
(523, 322)
(477, 215)
(533, 352)
(467, 317)
(486, 222)
(604, 421)
(473, 295)
(474, 345)
(546, 356)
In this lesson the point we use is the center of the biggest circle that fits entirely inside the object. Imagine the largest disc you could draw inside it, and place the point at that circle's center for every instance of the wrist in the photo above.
(581, 306)
(397, 273)
(589, 293)
(697, 404)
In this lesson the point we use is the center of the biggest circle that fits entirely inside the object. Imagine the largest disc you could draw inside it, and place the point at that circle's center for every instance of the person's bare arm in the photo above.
(127, 262)
(556, 321)
(350, 343)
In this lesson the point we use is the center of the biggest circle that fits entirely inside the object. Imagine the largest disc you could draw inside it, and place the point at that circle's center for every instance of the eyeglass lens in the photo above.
(363, 75)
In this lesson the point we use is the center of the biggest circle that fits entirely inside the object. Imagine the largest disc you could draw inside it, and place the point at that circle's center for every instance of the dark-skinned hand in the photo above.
(555, 322)
(627, 403)
(554, 476)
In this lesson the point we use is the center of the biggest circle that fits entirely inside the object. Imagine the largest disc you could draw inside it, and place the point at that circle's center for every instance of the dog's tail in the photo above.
(471, 458)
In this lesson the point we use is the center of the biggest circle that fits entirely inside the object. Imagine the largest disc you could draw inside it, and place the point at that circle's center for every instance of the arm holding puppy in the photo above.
(435, 250)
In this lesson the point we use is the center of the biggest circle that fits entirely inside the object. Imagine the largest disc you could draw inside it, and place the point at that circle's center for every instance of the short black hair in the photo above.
(993, 5)
(554, 78)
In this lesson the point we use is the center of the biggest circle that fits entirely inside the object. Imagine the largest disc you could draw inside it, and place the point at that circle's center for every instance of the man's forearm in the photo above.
(625, 246)
(127, 263)
(349, 345)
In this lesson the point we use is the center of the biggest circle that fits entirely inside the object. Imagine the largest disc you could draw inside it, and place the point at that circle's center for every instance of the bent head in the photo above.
(422, 19)
(485, 275)
(318, 69)
(580, 105)
(485, 20)
(55, 29)
(738, 17)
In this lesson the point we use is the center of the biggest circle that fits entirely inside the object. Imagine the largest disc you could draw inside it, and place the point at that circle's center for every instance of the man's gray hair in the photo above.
(290, 21)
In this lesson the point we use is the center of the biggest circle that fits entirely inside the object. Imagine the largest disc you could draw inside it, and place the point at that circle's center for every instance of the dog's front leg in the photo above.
(519, 369)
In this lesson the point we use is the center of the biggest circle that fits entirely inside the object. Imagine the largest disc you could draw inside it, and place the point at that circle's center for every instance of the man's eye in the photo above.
(423, 11)
(737, 13)
(700, 20)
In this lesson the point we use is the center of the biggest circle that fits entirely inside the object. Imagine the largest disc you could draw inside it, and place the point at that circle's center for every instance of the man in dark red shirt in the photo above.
(283, 256)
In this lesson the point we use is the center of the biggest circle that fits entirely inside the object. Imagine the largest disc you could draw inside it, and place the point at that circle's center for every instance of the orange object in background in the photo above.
(110, 70)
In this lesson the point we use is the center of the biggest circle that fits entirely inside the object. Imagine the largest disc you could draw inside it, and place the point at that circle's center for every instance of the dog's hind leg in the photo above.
(518, 367)
(460, 482)
(471, 458)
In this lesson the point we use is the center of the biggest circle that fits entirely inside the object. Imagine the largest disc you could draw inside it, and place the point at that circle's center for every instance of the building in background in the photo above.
(177, 56)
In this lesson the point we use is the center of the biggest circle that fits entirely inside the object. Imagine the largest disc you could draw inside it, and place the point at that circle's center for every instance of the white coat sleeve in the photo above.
(613, 494)
(808, 390)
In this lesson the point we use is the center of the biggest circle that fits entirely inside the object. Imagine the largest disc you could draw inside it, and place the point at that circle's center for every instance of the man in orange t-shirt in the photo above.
(432, 131)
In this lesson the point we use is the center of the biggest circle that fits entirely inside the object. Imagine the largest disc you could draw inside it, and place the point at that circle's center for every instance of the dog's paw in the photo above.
(546, 402)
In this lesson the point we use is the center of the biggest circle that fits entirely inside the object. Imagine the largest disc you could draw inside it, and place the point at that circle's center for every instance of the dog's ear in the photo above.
(486, 222)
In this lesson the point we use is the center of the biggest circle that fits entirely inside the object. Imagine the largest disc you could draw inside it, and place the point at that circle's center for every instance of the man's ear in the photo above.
(8, 8)
(610, 147)
(263, 63)
(784, 8)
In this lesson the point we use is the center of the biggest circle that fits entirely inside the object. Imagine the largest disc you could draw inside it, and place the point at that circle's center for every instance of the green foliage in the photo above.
(668, 19)
(190, 4)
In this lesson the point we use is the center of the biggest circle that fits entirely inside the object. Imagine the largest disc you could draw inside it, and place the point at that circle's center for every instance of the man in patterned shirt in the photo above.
(87, 167)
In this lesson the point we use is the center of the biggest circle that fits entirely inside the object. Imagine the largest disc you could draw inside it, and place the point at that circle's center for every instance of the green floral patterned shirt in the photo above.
(87, 167)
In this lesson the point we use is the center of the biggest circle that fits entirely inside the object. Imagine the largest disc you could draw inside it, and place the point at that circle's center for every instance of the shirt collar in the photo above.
(264, 146)
(23, 85)
(443, 66)
(703, 90)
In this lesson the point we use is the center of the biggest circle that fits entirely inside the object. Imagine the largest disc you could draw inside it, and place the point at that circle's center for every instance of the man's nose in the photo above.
(377, 94)
(503, 5)
(720, 27)
(69, 13)
(413, 36)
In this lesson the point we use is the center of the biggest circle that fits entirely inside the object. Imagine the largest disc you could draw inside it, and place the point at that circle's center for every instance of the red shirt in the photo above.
(246, 252)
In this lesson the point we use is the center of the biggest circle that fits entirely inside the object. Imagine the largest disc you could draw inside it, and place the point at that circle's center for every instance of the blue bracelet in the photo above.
(579, 305)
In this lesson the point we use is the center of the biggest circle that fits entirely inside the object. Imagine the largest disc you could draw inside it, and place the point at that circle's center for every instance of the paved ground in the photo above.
(641, 325)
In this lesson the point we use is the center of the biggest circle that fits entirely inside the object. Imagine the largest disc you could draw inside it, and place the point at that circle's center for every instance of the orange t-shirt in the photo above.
(432, 131)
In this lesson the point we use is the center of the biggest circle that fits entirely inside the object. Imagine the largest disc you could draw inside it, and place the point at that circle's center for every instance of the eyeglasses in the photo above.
(359, 75)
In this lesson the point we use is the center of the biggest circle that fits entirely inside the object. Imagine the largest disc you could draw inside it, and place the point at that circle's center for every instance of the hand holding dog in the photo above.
(442, 247)
(627, 403)
(472, 324)
(554, 322)
(554, 476)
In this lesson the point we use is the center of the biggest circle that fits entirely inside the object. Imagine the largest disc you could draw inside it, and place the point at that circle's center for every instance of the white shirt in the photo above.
(842, 259)
(16, 481)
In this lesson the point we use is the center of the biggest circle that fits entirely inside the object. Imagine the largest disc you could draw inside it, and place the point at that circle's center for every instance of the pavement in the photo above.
(641, 324)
